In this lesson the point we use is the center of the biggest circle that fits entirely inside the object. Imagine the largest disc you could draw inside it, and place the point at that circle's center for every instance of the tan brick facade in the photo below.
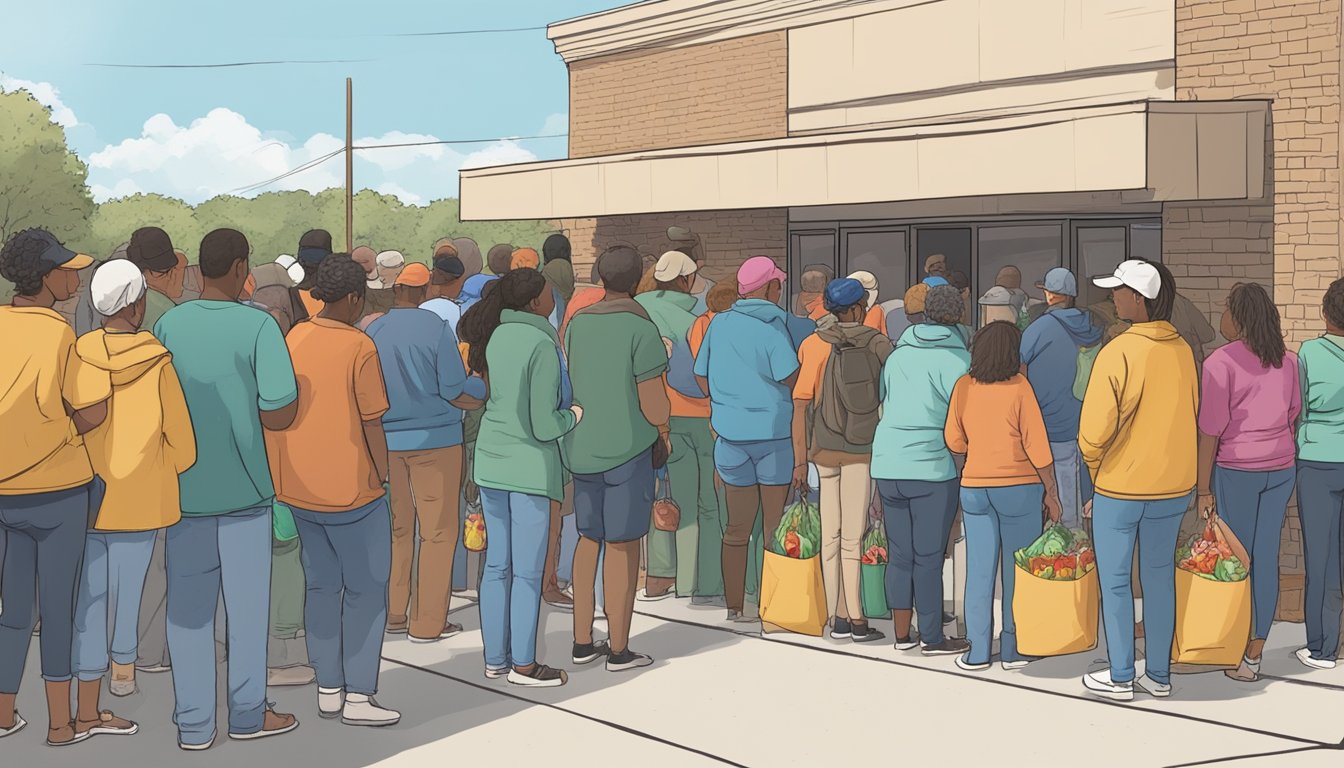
(725, 91)
(1286, 51)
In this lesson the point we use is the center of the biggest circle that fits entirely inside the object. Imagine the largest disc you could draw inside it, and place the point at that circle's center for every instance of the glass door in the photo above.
(806, 249)
(883, 252)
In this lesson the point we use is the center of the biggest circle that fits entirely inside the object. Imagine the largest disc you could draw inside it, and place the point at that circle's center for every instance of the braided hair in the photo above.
(337, 277)
(515, 290)
(1258, 320)
(21, 262)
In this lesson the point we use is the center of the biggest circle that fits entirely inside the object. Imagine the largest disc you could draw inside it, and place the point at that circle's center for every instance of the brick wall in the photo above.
(727, 237)
(1287, 51)
(726, 91)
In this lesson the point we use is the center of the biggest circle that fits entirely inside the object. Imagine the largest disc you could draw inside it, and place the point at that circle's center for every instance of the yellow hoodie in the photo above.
(1137, 433)
(147, 439)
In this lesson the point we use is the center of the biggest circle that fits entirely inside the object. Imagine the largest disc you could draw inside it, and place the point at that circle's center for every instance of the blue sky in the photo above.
(193, 132)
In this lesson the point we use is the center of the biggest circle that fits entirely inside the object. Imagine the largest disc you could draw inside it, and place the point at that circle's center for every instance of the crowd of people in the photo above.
(340, 415)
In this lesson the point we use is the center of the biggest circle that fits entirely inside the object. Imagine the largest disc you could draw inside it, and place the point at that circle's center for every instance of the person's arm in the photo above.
(649, 362)
(653, 403)
(954, 431)
(451, 373)
(277, 389)
(376, 441)
(782, 359)
(1103, 405)
(88, 419)
(541, 384)
(1215, 415)
(371, 400)
(1036, 444)
(177, 429)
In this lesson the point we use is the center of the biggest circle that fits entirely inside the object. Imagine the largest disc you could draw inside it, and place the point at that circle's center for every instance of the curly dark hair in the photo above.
(337, 277)
(515, 290)
(994, 353)
(21, 262)
(1160, 308)
(1258, 320)
(1332, 305)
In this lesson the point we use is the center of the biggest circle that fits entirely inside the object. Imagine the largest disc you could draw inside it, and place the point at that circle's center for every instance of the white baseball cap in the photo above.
(116, 285)
(672, 265)
(1140, 276)
(292, 267)
(869, 282)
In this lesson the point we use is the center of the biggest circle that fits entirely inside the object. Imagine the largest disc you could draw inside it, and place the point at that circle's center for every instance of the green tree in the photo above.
(114, 221)
(42, 183)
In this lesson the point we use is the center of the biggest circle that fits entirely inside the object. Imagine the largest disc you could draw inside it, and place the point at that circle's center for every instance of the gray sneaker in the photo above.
(950, 646)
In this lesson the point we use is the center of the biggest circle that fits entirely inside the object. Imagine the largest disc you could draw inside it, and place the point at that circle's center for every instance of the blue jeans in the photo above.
(1320, 507)
(516, 526)
(115, 564)
(918, 516)
(1117, 526)
(1068, 477)
(998, 522)
(347, 561)
(1253, 505)
(203, 555)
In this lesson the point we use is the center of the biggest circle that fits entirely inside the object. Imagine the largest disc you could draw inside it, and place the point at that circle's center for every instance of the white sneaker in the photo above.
(1012, 665)
(1099, 684)
(492, 673)
(1304, 656)
(1152, 687)
(964, 663)
(365, 710)
(330, 701)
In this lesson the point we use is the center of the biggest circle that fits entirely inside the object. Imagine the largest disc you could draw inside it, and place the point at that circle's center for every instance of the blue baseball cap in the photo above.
(844, 292)
(54, 255)
(1061, 281)
(935, 281)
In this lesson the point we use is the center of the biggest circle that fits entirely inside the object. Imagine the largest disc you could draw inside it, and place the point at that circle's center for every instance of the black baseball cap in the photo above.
(449, 265)
(54, 255)
(151, 250)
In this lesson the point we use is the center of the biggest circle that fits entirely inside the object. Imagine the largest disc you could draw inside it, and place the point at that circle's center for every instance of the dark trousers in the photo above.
(1320, 507)
(918, 515)
(44, 535)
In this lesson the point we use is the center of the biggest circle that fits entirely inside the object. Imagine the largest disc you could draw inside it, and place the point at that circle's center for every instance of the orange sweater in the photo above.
(1000, 429)
(876, 319)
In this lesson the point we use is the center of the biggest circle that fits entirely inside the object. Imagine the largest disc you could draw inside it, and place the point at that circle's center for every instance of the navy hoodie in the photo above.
(1050, 351)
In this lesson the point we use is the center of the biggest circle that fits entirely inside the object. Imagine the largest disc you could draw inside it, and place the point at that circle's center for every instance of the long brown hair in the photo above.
(1258, 320)
(995, 354)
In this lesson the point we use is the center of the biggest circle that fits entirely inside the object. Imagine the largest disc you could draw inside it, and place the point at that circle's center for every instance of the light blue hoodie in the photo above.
(747, 354)
(917, 383)
(1050, 352)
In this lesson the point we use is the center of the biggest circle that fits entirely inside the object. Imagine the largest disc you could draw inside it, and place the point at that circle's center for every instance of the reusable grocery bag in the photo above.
(473, 529)
(1056, 612)
(792, 596)
(1213, 618)
(873, 591)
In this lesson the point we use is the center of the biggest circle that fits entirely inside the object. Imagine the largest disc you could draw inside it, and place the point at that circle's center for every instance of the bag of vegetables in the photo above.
(873, 572)
(1056, 597)
(793, 598)
(1213, 598)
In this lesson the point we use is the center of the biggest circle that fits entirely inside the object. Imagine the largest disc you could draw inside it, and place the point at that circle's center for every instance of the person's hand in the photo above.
(666, 437)
(1206, 504)
(1087, 509)
(1051, 507)
(577, 410)
(800, 479)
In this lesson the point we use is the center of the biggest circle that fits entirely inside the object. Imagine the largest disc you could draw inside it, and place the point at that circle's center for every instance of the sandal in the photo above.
(1247, 672)
(18, 725)
(108, 724)
(56, 736)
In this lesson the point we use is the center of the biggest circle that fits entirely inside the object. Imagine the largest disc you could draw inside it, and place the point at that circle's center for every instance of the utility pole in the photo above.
(349, 169)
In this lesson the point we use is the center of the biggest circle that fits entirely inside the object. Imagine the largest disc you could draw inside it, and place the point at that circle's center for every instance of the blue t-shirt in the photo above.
(1050, 348)
(747, 354)
(232, 363)
(423, 372)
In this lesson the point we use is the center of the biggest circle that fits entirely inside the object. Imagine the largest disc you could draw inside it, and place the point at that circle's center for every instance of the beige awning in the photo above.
(1153, 150)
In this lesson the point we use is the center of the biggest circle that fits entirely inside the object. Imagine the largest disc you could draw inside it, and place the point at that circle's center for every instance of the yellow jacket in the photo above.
(1137, 433)
(147, 439)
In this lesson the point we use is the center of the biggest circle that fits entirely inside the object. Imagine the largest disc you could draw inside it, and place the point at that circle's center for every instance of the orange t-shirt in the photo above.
(812, 356)
(815, 308)
(876, 319)
(683, 406)
(583, 298)
(1000, 429)
(322, 462)
(309, 303)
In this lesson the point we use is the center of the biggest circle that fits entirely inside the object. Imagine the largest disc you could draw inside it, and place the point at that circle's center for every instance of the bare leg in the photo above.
(742, 505)
(7, 710)
(585, 582)
(901, 619)
(620, 572)
(550, 588)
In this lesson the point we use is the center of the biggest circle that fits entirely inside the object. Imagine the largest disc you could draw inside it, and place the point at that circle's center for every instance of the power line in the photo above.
(464, 32)
(306, 166)
(463, 141)
(229, 64)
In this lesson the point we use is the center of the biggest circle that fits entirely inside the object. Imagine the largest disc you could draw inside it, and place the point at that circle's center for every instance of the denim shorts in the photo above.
(765, 462)
(616, 505)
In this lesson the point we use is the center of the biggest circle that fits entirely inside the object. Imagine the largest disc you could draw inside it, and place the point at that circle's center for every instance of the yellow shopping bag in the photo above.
(1213, 618)
(792, 596)
(1055, 617)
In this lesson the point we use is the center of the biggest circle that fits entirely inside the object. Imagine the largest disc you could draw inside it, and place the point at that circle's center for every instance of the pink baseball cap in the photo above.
(756, 272)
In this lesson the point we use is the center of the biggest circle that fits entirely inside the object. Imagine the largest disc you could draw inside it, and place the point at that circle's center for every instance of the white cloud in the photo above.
(46, 94)
(222, 153)
(555, 124)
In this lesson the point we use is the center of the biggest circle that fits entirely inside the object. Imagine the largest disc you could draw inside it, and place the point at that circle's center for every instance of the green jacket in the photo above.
(517, 448)
(1320, 431)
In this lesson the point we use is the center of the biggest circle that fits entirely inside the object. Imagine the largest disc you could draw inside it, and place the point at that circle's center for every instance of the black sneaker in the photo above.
(841, 629)
(862, 633)
(949, 618)
(950, 646)
(587, 654)
(627, 660)
(540, 676)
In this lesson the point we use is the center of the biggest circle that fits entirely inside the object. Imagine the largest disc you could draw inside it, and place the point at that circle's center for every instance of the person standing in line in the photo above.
(137, 455)
(916, 474)
(1143, 384)
(1249, 402)
(445, 286)
(1049, 351)
(836, 404)
(426, 386)
(993, 420)
(50, 397)
(499, 259)
(748, 363)
(517, 466)
(377, 297)
(1320, 481)
(314, 246)
(237, 376)
(617, 361)
(811, 285)
(685, 562)
(559, 273)
(873, 316)
(152, 252)
(469, 252)
(329, 467)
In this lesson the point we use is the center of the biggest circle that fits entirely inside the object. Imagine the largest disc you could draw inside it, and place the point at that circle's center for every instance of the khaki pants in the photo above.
(426, 489)
(845, 494)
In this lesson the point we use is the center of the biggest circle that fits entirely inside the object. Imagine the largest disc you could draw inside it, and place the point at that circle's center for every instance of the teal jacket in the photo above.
(517, 448)
(1320, 431)
(917, 382)
(674, 314)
